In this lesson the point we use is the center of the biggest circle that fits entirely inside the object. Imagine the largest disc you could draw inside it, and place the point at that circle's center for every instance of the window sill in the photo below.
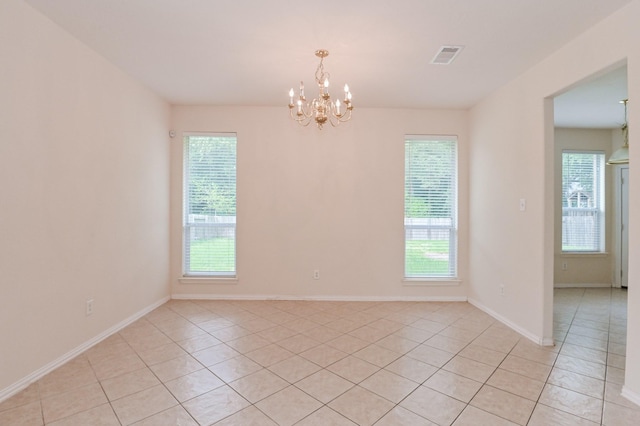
(209, 280)
(431, 282)
(584, 254)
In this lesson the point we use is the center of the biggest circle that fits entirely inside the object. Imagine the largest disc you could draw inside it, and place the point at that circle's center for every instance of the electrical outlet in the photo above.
(501, 290)
(564, 266)
(89, 307)
(316, 274)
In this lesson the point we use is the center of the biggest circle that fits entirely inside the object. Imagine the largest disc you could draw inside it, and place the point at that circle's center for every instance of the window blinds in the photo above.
(582, 201)
(430, 208)
(210, 205)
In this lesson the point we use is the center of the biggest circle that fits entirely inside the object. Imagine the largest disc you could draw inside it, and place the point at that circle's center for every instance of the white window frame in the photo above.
(598, 208)
(191, 223)
(411, 224)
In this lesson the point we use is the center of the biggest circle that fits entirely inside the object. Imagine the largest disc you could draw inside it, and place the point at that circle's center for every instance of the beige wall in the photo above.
(511, 134)
(84, 196)
(583, 269)
(308, 199)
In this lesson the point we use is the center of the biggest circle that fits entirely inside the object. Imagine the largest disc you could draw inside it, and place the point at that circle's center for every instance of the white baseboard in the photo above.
(181, 296)
(582, 285)
(535, 339)
(630, 395)
(41, 372)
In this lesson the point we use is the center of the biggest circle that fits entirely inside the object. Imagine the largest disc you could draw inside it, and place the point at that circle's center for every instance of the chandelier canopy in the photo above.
(321, 109)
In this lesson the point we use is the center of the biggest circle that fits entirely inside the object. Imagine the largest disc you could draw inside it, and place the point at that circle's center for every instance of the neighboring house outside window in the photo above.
(430, 206)
(209, 215)
(583, 201)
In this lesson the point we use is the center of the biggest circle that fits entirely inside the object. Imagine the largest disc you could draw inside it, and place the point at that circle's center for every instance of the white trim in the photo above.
(209, 280)
(319, 298)
(582, 285)
(630, 395)
(434, 282)
(535, 339)
(46, 369)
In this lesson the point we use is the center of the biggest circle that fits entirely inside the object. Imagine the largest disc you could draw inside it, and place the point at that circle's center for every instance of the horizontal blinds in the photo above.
(430, 206)
(582, 201)
(210, 205)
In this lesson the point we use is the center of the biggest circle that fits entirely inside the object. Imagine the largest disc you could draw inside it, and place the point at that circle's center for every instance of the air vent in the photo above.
(446, 55)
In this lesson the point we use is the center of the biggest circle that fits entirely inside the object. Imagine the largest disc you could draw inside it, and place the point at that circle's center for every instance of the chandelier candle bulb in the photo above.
(322, 108)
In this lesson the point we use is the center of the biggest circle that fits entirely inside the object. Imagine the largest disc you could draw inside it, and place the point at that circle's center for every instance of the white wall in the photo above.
(84, 199)
(512, 150)
(583, 269)
(308, 199)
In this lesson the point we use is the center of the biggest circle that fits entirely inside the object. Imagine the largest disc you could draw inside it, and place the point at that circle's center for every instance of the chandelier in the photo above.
(321, 109)
(621, 156)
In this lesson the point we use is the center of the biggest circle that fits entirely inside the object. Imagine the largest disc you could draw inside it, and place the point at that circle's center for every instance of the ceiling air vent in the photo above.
(446, 55)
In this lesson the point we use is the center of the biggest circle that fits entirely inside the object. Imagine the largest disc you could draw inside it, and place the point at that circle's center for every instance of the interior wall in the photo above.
(84, 166)
(583, 269)
(328, 199)
(512, 151)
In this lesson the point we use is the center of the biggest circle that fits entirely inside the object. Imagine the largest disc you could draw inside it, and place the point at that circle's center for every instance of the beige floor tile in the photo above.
(447, 344)
(503, 404)
(613, 393)
(617, 361)
(258, 385)
(587, 342)
(72, 375)
(323, 355)
(618, 415)
(269, 355)
(24, 415)
(248, 343)
(72, 402)
(547, 416)
(453, 385)
(361, 406)
(235, 368)
(249, 416)
(215, 405)
(432, 405)
(177, 367)
(414, 334)
(577, 382)
(369, 334)
(472, 416)
(524, 367)
(161, 353)
(483, 355)
(101, 415)
(500, 344)
(215, 354)
(229, 333)
(469, 368)
(277, 333)
(288, 406)
(143, 404)
(428, 325)
(540, 354)
(353, 369)
(583, 353)
(572, 402)
(587, 368)
(325, 416)
(294, 369)
(399, 416)
(397, 344)
(175, 416)
(348, 344)
(324, 385)
(129, 383)
(322, 334)
(26, 396)
(516, 384)
(377, 355)
(110, 367)
(298, 343)
(198, 343)
(193, 384)
(389, 385)
(412, 369)
(430, 355)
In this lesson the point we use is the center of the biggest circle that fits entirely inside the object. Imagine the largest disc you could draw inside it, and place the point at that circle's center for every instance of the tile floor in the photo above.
(342, 363)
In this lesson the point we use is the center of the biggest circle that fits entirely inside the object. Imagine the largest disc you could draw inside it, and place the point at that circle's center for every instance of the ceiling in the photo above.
(250, 52)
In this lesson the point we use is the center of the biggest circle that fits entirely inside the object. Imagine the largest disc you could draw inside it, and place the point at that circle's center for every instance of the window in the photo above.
(582, 201)
(209, 232)
(430, 206)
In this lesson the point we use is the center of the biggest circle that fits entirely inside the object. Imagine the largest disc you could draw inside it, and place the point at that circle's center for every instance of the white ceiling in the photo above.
(250, 52)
